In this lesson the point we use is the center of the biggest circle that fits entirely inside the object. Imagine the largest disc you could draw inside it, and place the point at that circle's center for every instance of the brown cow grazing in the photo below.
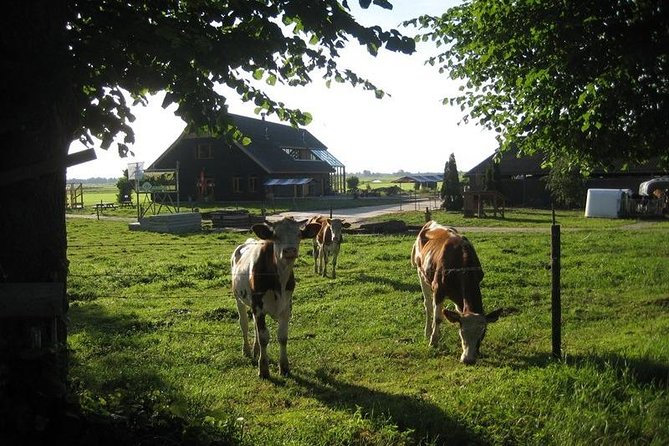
(448, 266)
(263, 280)
(327, 243)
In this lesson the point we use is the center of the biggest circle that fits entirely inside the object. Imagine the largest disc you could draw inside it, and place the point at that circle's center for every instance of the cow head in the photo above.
(472, 331)
(337, 226)
(286, 235)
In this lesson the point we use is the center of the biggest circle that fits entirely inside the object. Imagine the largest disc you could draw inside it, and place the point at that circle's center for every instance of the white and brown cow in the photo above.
(449, 267)
(263, 280)
(327, 243)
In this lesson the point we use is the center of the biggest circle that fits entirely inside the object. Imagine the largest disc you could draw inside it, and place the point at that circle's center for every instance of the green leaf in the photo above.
(258, 74)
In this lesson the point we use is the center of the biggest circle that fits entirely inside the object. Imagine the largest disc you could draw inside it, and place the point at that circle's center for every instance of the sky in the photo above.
(410, 130)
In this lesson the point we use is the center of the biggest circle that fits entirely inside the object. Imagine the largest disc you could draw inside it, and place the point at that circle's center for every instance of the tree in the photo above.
(493, 178)
(125, 187)
(451, 190)
(70, 70)
(352, 183)
(585, 82)
(566, 185)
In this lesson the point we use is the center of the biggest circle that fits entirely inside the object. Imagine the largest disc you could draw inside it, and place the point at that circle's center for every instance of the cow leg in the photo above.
(244, 324)
(428, 302)
(262, 339)
(324, 261)
(283, 320)
(438, 309)
(335, 254)
(315, 254)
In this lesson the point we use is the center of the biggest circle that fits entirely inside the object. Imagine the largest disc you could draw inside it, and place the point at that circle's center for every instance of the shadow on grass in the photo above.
(132, 405)
(643, 371)
(428, 422)
(646, 372)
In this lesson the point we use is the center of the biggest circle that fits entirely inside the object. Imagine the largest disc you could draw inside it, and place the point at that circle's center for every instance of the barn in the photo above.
(523, 179)
(280, 161)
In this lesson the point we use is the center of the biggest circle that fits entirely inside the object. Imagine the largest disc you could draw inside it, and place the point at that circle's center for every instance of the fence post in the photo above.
(556, 304)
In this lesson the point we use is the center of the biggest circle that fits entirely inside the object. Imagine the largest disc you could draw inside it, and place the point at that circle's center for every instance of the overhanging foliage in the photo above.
(189, 48)
(586, 82)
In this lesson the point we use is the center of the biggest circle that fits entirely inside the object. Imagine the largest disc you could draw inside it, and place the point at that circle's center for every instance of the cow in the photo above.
(327, 243)
(263, 280)
(448, 266)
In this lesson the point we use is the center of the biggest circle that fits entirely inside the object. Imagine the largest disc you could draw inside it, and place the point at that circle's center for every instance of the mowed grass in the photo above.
(155, 338)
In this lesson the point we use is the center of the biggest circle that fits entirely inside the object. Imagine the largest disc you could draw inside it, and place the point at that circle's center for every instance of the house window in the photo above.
(253, 184)
(300, 154)
(237, 184)
(204, 152)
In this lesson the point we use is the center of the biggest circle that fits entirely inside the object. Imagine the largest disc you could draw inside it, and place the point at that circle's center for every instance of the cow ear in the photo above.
(452, 316)
(492, 317)
(311, 230)
(262, 231)
(346, 224)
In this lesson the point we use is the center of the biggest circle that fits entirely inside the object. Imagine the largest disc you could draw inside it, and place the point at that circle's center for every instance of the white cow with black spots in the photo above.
(263, 280)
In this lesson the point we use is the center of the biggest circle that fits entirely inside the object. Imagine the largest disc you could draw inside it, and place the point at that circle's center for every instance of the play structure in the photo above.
(157, 190)
(74, 196)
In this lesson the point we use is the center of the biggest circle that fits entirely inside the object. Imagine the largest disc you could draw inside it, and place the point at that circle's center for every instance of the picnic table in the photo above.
(100, 206)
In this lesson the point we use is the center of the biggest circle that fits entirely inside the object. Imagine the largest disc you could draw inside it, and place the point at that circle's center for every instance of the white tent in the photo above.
(608, 203)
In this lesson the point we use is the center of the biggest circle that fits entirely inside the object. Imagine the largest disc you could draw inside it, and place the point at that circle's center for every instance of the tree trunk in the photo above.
(36, 124)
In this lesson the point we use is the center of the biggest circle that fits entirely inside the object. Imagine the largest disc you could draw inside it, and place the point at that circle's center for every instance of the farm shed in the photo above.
(524, 178)
(421, 181)
(280, 161)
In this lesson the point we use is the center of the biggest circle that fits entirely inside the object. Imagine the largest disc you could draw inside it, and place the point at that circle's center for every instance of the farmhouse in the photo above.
(280, 161)
(524, 180)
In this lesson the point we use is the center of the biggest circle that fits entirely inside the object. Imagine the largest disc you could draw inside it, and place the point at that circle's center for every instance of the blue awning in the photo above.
(286, 181)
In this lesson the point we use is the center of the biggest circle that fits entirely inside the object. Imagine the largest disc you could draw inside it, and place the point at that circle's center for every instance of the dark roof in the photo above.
(281, 134)
(511, 165)
(267, 142)
(419, 179)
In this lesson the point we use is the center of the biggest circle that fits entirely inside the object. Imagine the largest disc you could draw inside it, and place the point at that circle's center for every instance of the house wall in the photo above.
(225, 164)
(232, 173)
(529, 191)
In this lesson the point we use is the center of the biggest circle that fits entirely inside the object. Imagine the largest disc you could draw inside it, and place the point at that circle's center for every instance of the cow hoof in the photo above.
(284, 372)
(247, 351)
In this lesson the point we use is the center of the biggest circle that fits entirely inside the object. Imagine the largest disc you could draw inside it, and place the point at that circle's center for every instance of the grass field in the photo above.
(156, 347)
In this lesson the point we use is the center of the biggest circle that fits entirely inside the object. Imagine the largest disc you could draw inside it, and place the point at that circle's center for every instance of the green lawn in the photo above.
(156, 347)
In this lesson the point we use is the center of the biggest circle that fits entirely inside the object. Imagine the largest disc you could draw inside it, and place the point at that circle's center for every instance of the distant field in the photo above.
(107, 193)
